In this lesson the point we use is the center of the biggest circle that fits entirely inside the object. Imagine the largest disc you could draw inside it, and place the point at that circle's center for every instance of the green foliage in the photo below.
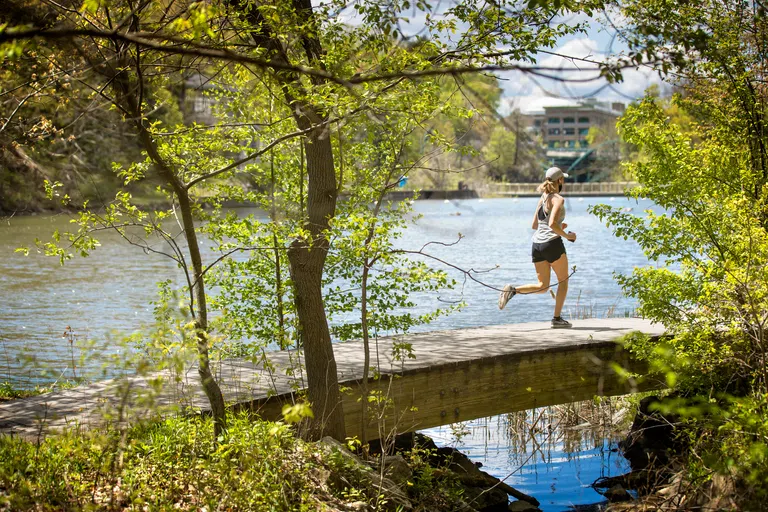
(433, 486)
(611, 151)
(725, 435)
(712, 229)
(500, 151)
(368, 240)
(169, 342)
(169, 465)
(702, 159)
(278, 79)
(9, 392)
(296, 412)
(742, 443)
(68, 146)
(260, 309)
(165, 466)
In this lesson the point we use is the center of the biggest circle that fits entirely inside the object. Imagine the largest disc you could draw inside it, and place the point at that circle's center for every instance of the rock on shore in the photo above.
(391, 477)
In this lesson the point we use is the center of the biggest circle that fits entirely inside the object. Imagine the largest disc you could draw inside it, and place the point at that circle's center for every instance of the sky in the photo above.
(600, 42)
(529, 94)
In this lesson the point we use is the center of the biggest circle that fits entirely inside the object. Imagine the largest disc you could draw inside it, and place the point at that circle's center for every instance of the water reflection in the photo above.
(551, 453)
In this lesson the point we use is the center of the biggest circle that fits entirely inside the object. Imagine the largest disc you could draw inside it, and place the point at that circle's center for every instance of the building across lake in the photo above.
(564, 128)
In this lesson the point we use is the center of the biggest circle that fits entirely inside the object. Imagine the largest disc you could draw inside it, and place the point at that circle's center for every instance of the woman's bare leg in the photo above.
(542, 273)
(560, 266)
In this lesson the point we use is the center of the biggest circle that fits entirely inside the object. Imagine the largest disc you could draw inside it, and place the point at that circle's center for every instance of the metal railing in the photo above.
(593, 188)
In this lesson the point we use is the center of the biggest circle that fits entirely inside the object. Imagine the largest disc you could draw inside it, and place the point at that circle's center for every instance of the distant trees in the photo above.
(486, 145)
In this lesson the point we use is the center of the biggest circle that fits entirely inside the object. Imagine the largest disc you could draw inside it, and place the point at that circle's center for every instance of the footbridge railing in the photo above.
(612, 188)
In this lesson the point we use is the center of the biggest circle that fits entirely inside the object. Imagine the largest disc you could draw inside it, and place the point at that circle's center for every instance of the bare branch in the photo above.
(470, 273)
(253, 155)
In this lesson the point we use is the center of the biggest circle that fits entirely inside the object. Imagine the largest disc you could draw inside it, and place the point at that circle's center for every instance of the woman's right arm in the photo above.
(557, 205)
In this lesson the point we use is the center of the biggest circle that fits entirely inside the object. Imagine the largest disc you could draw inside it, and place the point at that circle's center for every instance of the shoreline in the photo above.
(395, 195)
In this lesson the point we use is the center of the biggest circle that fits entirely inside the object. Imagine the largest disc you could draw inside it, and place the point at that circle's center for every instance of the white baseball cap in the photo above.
(555, 173)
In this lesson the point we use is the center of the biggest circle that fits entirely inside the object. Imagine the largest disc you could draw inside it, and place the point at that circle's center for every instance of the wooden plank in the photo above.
(462, 391)
(455, 376)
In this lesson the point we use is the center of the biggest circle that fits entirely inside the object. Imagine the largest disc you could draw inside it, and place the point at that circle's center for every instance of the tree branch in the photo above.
(157, 41)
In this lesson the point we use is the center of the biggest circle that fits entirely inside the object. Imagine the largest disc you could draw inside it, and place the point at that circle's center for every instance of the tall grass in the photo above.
(584, 311)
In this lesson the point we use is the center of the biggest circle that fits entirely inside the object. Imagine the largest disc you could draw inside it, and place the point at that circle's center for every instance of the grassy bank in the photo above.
(9, 392)
(172, 465)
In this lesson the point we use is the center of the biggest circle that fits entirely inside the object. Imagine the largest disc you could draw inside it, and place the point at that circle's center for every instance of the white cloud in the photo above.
(534, 102)
(528, 92)
(576, 79)
(579, 48)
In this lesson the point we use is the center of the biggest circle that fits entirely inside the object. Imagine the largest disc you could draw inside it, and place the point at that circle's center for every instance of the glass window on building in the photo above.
(569, 131)
(553, 120)
(537, 123)
(583, 119)
(553, 131)
(569, 120)
(552, 144)
(584, 143)
(570, 143)
(583, 131)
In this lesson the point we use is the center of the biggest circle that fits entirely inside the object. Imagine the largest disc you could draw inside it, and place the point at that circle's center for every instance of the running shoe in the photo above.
(508, 293)
(559, 323)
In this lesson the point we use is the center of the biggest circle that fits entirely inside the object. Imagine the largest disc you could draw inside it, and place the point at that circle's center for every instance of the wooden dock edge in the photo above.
(468, 390)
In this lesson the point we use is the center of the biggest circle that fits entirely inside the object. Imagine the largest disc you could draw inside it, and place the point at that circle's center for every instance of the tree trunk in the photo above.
(307, 258)
(207, 380)
(128, 93)
(366, 355)
(21, 179)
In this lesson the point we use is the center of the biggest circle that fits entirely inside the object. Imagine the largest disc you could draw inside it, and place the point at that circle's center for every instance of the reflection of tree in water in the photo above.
(534, 435)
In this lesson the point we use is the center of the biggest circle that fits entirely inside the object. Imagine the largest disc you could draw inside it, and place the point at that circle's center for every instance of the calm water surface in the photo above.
(556, 466)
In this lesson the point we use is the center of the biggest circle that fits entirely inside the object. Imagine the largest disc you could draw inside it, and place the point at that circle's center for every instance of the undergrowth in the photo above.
(10, 392)
(170, 465)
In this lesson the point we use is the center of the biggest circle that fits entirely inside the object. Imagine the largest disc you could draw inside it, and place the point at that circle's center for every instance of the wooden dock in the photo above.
(455, 376)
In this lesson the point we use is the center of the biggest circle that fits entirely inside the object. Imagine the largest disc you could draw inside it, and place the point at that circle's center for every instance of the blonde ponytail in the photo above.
(548, 187)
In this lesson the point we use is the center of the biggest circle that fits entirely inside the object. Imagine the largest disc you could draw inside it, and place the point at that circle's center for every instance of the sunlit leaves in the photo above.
(711, 230)
(91, 6)
(297, 412)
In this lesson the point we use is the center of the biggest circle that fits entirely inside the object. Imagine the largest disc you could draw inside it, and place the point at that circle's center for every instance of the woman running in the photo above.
(548, 251)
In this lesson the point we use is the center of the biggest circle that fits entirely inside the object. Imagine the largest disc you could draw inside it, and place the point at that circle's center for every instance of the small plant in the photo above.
(71, 337)
(8, 392)
(433, 486)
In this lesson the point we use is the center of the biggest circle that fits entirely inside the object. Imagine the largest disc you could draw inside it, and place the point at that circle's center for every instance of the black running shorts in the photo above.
(548, 251)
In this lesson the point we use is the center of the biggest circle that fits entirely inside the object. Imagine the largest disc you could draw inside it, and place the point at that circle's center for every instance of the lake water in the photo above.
(110, 292)
(549, 453)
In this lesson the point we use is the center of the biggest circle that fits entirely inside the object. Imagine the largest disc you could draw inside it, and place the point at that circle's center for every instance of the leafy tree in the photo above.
(705, 167)
(500, 152)
(319, 74)
(703, 161)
